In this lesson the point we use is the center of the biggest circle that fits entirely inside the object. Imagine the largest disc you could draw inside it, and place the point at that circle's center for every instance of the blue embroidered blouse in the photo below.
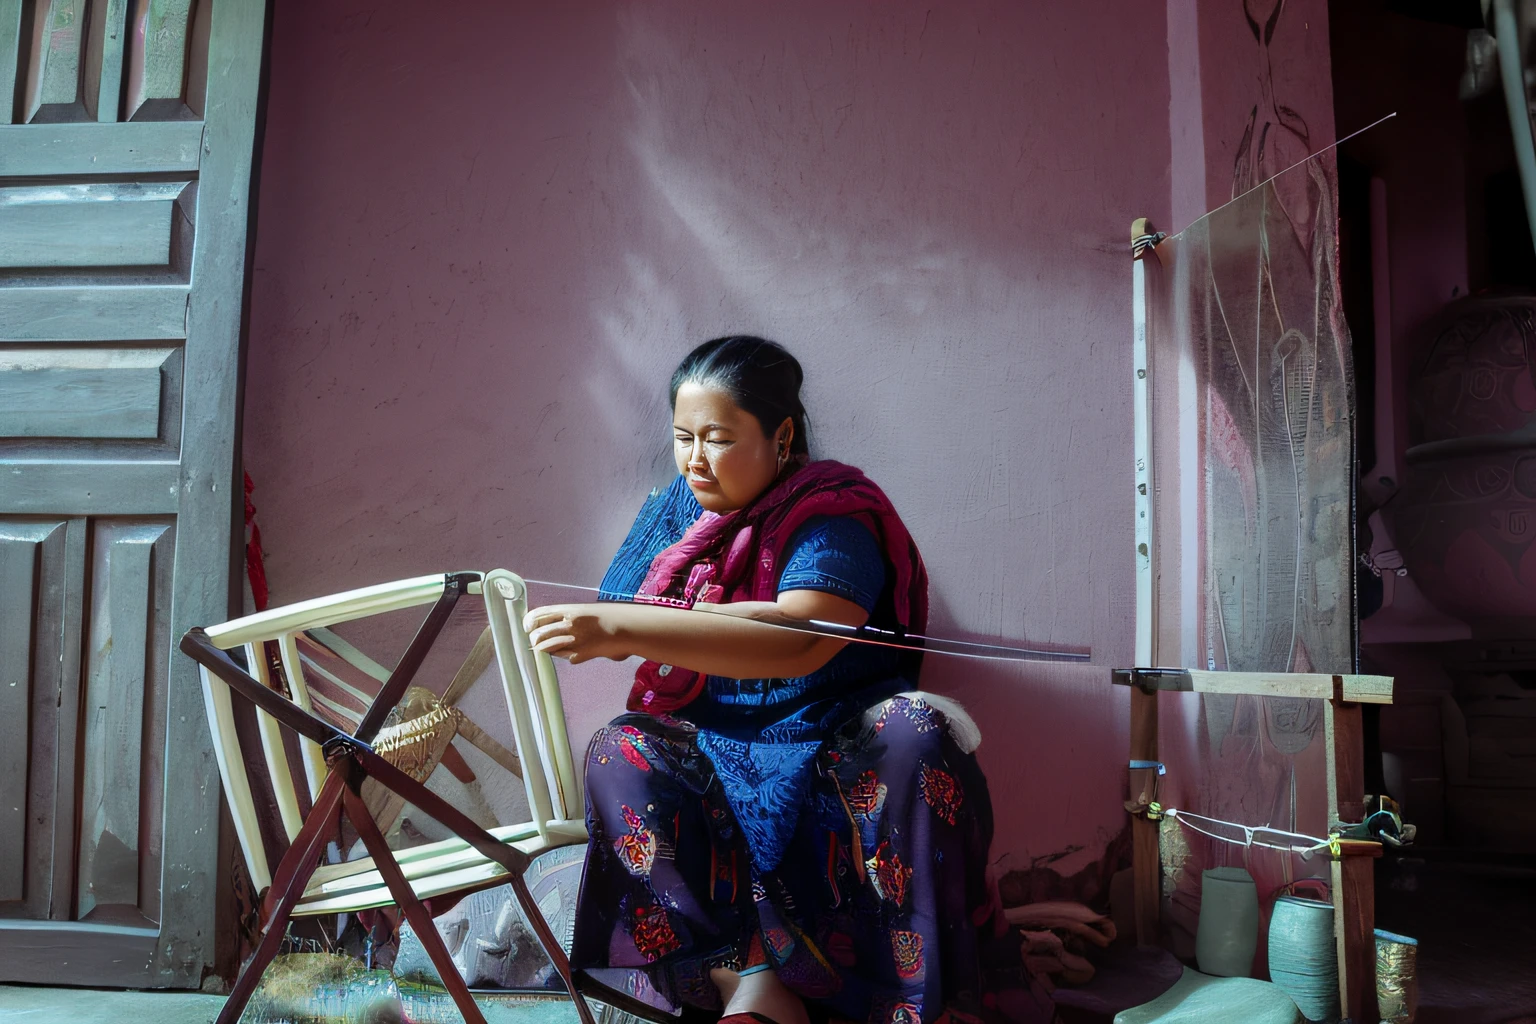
(762, 735)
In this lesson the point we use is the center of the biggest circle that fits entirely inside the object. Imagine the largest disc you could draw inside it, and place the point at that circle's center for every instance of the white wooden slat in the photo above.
(341, 684)
(272, 749)
(93, 312)
(219, 706)
(505, 605)
(65, 150)
(293, 667)
(1141, 417)
(329, 610)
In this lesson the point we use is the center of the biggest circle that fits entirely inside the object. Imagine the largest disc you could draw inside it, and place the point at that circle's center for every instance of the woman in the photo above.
(776, 830)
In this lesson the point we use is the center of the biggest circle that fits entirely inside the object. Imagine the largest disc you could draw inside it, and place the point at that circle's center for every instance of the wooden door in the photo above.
(126, 137)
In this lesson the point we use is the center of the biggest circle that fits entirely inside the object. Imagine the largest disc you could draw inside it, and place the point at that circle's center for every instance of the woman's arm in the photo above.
(734, 640)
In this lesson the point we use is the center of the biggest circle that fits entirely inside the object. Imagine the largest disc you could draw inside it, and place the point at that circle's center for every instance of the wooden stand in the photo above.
(351, 760)
(1354, 895)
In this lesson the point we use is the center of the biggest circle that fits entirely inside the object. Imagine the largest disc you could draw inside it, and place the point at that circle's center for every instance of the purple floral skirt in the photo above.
(870, 914)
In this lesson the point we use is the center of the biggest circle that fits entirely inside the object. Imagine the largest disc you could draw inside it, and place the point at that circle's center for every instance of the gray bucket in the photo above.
(1303, 959)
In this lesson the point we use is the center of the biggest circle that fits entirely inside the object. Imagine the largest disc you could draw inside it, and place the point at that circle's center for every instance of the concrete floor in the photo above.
(23, 1004)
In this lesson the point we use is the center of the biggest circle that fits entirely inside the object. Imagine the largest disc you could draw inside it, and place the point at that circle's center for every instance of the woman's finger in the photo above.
(539, 616)
(549, 644)
(548, 629)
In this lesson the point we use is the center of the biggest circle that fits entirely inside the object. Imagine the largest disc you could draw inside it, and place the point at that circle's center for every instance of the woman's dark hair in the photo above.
(759, 375)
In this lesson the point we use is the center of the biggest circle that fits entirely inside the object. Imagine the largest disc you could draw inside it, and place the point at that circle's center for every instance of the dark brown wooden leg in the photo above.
(405, 896)
(293, 874)
(1146, 877)
(1357, 891)
(514, 860)
(1353, 875)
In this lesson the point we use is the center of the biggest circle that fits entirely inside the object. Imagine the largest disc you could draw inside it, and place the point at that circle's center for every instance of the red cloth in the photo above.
(255, 567)
(739, 556)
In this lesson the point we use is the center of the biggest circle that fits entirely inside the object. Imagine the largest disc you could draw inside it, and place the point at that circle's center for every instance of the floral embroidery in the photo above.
(637, 850)
(941, 792)
(889, 875)
(867, 795)
(653, 933)
(908, 950)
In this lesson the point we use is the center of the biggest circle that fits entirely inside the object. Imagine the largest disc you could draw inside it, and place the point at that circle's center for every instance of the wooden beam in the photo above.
(63, 150)
(93, 312)
(87, 488)
(1145, 868)
(1363, 689)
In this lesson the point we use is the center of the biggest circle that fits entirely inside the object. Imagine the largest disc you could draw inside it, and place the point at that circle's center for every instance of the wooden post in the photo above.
(1353, 874)
(1145, 867)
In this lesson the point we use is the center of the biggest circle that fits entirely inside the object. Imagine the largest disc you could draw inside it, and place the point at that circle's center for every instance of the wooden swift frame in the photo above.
(338, 763)
(1354, 900)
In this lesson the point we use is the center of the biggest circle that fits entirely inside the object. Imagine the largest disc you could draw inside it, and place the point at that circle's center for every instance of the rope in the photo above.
(1256, 835)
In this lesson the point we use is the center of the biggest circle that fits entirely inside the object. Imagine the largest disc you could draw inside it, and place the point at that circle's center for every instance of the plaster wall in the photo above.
(483, 242)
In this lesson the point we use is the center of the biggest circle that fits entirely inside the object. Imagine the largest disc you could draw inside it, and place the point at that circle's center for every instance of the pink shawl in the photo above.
(739, 556)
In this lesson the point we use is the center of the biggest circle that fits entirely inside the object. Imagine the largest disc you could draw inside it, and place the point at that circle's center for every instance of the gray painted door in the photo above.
(126, 130)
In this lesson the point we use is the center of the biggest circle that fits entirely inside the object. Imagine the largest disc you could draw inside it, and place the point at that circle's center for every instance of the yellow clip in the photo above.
(1154, 811)
(1335, 848)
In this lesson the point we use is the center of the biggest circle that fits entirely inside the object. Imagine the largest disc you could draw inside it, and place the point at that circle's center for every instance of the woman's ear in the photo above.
(785, 436)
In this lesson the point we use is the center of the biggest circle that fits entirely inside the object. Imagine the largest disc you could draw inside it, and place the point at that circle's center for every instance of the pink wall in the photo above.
(484, 242)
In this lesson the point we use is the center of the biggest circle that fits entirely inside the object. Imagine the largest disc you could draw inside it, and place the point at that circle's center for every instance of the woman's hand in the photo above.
(575, 632)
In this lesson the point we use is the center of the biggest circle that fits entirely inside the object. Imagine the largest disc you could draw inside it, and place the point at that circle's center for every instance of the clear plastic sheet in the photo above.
(1252, 491)
(1251, 437)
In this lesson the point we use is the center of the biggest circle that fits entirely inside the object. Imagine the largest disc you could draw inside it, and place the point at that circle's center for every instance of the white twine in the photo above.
(1306, 846)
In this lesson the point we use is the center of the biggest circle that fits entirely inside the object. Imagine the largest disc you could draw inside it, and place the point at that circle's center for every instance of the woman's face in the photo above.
(721, 448)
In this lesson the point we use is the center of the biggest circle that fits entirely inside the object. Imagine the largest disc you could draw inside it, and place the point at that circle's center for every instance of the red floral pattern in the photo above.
(941, 791)
(907, 947)
(637, 850)
(653, 933)
(867, 795)
(889, 875)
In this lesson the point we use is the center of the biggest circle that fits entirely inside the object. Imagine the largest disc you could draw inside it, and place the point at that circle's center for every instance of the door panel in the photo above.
(120, 304)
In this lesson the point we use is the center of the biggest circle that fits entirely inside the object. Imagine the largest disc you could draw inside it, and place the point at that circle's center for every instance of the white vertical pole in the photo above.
(1141, 414)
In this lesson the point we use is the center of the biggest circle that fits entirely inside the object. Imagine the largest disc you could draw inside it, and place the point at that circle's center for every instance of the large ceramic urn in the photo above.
(1465, 518)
